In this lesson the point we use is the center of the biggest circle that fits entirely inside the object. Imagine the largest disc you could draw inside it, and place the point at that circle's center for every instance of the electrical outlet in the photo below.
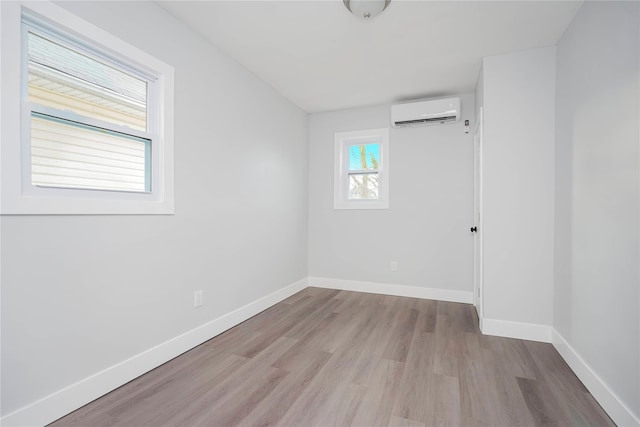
(197, 299)
(394, 265)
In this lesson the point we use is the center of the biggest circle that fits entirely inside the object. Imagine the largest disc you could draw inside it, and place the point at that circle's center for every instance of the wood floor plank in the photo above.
(564, 391)
(302, 329)
(307, 347)
(448, 345)
(199, 405)
(404, 422)
(326, 357)
(411, 399)
(513, 357)
(398, 345)
(348, 301)
(374, 409)
(350, 328)
(341, 408)
(156, 411)
(510, 406)
(240, 402)
(281, 325)
(275, 406)
(443, 401)
(542, 413)
(323, 395)
(427, 316)
(475, 377)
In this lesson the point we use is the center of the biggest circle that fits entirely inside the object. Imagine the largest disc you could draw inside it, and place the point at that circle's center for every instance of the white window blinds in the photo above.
(71, 155)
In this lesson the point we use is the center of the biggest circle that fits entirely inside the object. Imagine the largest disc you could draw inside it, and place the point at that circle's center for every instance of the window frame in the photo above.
(19, 196)
(343, 142)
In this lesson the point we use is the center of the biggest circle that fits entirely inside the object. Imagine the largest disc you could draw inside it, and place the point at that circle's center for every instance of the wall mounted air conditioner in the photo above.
(434, 111)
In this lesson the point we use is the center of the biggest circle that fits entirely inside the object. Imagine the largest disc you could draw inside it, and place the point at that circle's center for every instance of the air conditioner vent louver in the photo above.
(426, 121)
(436, 111)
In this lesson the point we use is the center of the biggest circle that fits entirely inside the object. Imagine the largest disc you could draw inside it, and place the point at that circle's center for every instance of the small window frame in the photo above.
(19, 196)
(343, 142)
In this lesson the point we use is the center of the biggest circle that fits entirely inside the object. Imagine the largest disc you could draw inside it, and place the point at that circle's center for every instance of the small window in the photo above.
(364, 162)
(362, 170)
(95, 123)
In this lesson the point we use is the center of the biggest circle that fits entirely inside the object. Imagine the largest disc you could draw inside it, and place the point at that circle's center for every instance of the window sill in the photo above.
(357, 205)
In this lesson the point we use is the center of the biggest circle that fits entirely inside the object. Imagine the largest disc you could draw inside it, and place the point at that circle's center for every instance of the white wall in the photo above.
(518, 165)
(82, 293)
(425, 229)
(597, 296)
(479, 93)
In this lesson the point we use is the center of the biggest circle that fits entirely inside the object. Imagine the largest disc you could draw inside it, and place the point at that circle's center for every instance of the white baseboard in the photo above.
(523, 331)
(70, 398)
(609, 401)
(395, 290)
(480, 318)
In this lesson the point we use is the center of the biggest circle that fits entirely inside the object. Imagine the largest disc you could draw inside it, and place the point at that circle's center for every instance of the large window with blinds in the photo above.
(89, 124)
(92, 131)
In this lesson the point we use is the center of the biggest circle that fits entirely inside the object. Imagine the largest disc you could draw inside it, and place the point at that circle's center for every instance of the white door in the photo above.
(476, 228)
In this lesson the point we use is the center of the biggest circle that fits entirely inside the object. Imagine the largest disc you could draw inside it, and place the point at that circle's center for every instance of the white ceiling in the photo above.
(319, 56)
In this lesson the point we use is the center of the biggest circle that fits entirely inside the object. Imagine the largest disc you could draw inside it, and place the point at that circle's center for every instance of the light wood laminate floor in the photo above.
(335, 358)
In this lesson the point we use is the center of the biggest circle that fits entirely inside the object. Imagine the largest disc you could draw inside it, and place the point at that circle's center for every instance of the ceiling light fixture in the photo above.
(366, 9)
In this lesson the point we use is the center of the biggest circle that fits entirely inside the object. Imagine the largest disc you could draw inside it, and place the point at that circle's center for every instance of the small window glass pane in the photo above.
(68, 80)
(364, 156)
(70, 155)
(363, 186)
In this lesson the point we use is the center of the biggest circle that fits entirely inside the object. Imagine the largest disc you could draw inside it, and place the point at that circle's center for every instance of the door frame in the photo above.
(478, 260)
